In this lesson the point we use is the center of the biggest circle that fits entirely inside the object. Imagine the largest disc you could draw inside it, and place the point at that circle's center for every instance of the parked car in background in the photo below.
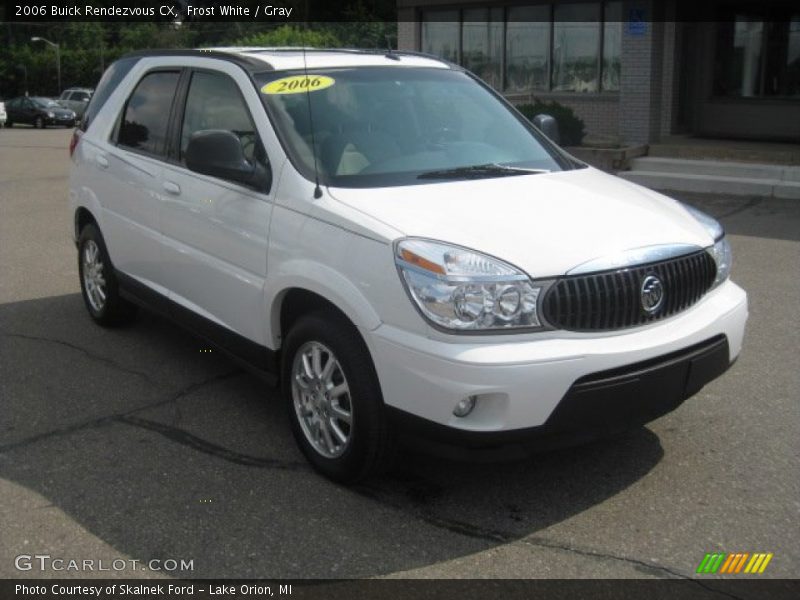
(39, 112)
(76, 99)
(2, 114)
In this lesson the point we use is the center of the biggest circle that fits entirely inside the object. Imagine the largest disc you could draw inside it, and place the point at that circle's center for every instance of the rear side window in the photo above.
(144, 122)
(214, 102)
(108, 83)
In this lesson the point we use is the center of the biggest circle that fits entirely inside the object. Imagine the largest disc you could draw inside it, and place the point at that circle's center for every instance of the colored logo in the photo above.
(734, 563)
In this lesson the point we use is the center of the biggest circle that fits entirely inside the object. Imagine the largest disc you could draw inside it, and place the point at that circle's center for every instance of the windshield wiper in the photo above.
(478, 171)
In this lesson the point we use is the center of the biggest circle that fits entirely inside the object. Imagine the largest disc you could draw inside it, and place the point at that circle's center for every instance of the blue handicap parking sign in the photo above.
(637, 24)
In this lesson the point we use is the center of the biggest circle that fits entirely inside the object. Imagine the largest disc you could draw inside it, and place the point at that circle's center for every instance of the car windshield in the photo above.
(45, 103)
(381, 126)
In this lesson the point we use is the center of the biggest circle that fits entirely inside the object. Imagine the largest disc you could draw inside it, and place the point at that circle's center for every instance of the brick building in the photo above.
(633, 70)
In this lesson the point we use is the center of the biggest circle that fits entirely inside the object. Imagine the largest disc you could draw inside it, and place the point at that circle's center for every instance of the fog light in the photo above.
(465, 406)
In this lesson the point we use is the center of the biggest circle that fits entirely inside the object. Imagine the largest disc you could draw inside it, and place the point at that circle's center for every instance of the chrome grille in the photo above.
(612, 299)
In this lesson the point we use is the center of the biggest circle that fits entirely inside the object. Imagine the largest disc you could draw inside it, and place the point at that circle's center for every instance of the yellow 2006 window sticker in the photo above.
(298, 84)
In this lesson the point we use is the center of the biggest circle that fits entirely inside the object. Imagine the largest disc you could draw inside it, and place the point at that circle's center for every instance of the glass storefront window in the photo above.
(782, 68)
(551, 47)
(757, 57)
(576, 42)
(527, 48)
(440, 32)
(482, 44)
(738, 74)
(612, 46)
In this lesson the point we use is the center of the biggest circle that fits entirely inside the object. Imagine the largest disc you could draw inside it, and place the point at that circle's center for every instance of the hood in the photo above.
(544, 224)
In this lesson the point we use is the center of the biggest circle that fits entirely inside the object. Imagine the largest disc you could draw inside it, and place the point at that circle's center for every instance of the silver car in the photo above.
(76, 99)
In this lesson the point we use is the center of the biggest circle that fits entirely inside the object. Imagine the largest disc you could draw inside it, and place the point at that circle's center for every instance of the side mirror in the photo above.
(548, 126)
(219, 153)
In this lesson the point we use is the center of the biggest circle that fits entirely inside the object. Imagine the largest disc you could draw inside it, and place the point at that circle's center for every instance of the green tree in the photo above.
(292, 35)
(86, 48)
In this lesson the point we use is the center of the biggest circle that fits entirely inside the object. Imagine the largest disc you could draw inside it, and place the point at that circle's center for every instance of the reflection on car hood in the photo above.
(545, 224)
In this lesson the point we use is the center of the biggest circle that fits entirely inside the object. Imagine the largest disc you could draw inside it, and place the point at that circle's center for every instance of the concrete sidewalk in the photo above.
(716, 177)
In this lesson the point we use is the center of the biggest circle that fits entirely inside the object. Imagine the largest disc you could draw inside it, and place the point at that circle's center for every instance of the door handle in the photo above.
(172, 188)
(101, 161)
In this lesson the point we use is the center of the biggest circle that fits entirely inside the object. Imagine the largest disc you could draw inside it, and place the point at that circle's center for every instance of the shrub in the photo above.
(570, 126)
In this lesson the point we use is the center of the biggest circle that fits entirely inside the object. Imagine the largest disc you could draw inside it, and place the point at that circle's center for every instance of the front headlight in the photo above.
(50, 115)
(462, 290)
(721, 250)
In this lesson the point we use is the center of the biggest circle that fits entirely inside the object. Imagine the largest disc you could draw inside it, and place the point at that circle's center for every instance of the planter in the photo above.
(609, 159)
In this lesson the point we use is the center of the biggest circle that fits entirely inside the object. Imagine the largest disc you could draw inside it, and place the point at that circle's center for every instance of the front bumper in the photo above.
(528, 385)
(598, 405)
(62, 121)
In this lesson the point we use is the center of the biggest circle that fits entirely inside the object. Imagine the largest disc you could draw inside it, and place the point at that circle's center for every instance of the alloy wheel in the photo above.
(93, 277)
(321, 397)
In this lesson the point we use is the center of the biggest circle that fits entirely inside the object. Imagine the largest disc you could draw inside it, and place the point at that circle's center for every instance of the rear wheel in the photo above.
(99, 286)
(334, 399)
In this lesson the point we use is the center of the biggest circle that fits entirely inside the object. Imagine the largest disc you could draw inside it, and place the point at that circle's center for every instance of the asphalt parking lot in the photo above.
(136, 444)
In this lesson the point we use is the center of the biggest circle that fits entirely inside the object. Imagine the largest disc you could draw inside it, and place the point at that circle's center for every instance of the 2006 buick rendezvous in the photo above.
(395, 243)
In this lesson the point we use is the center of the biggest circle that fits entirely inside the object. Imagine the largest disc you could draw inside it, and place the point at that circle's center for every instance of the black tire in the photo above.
(114, 310)
(38, 123)
(371, 448)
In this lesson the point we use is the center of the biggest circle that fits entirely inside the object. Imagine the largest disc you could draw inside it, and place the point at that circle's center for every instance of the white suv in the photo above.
(399, 247)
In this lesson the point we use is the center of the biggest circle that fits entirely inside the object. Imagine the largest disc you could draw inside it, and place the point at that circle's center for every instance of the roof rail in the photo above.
(370, 51)
(241, 59)
(248, 62)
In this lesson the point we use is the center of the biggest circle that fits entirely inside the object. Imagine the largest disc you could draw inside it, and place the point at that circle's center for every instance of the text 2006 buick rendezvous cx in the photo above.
(399, 247)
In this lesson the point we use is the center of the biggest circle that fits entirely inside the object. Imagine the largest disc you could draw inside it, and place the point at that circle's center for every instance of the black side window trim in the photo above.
(176, 117)
(163, 155)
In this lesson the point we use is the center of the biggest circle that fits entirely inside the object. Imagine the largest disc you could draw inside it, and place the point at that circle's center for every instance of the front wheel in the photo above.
(334, 399)
(39, 123)
(99, 286)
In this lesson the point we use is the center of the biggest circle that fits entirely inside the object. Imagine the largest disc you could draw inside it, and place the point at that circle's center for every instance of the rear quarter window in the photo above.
(108, 83)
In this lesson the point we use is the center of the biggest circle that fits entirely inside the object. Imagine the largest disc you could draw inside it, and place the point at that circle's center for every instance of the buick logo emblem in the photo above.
(652, 293)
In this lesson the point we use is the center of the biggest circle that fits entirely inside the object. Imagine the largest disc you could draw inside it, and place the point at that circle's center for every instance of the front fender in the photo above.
(322, 280)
